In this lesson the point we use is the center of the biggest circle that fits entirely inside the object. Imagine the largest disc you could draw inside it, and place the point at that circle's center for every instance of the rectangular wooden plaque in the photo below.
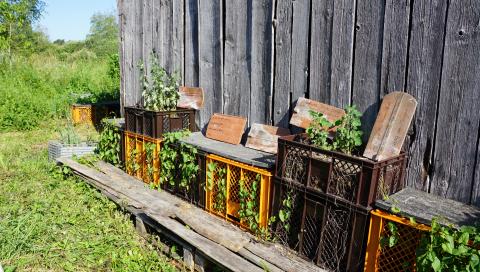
(265, 137)
(301, 113)
(190, 97)
(391, 126)
(226, 128)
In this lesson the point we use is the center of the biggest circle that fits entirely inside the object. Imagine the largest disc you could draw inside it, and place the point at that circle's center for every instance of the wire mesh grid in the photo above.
(295, 164)
(345, 179)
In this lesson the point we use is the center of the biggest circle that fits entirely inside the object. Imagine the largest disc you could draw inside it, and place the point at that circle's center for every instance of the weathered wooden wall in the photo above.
(256, 57)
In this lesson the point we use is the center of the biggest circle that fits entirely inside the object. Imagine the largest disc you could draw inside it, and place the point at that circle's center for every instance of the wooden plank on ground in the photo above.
(457, 131)
(210, 50)
(390, 129)
(190, 97)
(265, 137)
(301, 114)
(226, 128)
(424, 73)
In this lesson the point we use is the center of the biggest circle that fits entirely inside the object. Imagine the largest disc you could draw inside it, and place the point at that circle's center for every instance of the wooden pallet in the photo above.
(203, 237)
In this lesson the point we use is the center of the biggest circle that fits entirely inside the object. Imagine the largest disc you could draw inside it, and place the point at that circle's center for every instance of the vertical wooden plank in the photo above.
(166, 13)
(191, 43)
(261, 62)
(137, 52)
(148, 32)
(283, 49)
(121, 52)
(395, 44)
(178, 33)
(368, 61)
(300, 44)
(458, 114)
(476, 178)
(210, 58)
(321, 50)
(423, 82)
(236, 74)
(342, 52)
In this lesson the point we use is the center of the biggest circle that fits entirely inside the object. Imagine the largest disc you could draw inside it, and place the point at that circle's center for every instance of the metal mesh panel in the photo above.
(234, 185)
(311, 229)
(389, 180)
(295, 163)
(344, 180)
(185, 120)
(166, 123)
(335, 235)
(400, 257)
(148, 124)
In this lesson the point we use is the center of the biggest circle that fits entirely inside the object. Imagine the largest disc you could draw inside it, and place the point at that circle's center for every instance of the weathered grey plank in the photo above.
(321, 50)
(261, 62)
(300, 45)
(178, 33)
(342, 52)
(458, 114)
(283, 49)
(476, 178)
(210, 58)
(137, 50)
(424, 207)
(395, 44)
(368, 61)
(148, 37)
(233, 152)
(236, 76)
(121, 52)
(191, 43)
(423, 82)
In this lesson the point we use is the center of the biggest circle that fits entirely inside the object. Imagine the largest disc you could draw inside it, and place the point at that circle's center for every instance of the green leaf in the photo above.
(436, 264)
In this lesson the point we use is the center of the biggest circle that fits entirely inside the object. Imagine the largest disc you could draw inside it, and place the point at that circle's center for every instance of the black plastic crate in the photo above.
(327, 230)
(154, 124)
(354, 179)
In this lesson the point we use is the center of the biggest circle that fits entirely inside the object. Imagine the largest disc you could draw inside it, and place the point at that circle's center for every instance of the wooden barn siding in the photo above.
(256, 57)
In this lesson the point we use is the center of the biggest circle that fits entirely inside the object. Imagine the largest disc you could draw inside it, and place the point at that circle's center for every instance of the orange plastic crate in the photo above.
(82, 114)
(149, 167)
(400, 257)
(234, 172)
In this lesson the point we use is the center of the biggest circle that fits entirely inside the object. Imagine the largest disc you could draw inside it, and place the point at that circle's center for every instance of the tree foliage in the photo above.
(103, 37)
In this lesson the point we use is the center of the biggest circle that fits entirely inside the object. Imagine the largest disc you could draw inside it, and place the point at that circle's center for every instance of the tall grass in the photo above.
(42, 87)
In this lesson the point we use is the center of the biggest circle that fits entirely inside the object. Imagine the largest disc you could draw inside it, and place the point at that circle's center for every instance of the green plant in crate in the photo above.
(178, 160)
(349, 134)
(447, 249)
(160, 90)
(220, 201)
(317, 131)
(285, 212)
(108, 148)
(69, 136)
(149, 161)
(132, 164)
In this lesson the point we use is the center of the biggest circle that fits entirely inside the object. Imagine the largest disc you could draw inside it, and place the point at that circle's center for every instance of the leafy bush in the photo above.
(108, 148)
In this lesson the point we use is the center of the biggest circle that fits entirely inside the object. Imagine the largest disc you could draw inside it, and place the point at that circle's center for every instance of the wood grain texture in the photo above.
(423, 82)
(458, 114)
(137, 50)
(265, 137)
(210, 58)
(368, 61)
(261, 68)
(236, 76)
(342, 52)
(283, 51)
(191, 97)
(121, 53)
(391, 126)
(395, 45)
(191, 43)
(301, 114)
(226, 128)
(321, 50)
(300, 45)
(178, 36)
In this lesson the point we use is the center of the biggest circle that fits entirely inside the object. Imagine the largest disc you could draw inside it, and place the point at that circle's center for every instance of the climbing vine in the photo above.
(149, 161)
(108, 148)
(178, 160)
(220, 201)
(285, 212)
(132, 164)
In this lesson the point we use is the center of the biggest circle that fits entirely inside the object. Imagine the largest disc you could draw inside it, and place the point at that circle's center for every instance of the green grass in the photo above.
(41, 87)
(55, 224)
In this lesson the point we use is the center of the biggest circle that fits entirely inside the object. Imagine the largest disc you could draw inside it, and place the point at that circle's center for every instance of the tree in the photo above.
(103, 37)
(16, 19)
